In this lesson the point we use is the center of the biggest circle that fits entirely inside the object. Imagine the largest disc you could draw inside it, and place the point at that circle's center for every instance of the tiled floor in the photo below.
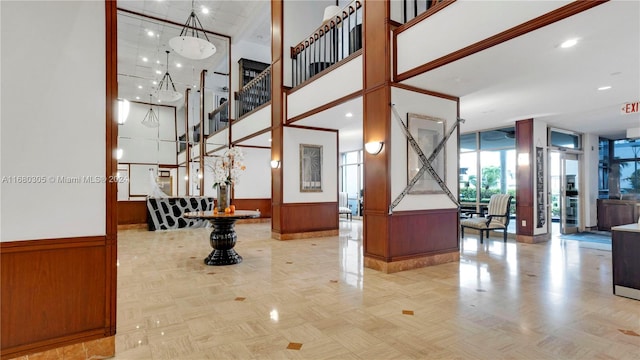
(312, 299)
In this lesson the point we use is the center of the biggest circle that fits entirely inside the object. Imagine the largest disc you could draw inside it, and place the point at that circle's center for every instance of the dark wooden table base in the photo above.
(222, 239)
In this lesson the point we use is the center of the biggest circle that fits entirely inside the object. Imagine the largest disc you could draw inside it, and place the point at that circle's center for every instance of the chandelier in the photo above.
(151, 119)
(164, 92)
(189, 44)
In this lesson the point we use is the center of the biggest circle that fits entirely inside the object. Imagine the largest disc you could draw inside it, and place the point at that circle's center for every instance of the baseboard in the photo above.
(103, 348)
(528, 239)
(410, 264)
(304, 235)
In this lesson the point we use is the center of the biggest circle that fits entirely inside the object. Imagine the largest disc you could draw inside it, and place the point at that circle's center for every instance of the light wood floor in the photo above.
(312, 299)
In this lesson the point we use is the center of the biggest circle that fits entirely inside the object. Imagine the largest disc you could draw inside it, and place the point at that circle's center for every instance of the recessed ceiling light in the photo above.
(158, 72)
(139, 86)
(569, 43)
(157, 61)
(604, 88)
(150, 33)
(155, 82)
(348, 114)
(145, 59)
(270, 140)
(205, 10)
(137, 97)
(178, 65)
(159, 100)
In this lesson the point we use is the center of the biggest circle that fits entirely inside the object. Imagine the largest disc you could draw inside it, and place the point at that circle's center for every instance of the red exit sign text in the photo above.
(630, 108)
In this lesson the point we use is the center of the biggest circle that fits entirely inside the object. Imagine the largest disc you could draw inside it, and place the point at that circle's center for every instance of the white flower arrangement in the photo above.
(228, 167)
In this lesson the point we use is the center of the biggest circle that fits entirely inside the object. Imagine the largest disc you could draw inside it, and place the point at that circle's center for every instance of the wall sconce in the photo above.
(373, 147)
(123, 110)
(523, 159)
(275, 164)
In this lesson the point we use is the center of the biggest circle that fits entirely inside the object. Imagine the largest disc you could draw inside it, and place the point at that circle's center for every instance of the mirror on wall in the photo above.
(163, 121)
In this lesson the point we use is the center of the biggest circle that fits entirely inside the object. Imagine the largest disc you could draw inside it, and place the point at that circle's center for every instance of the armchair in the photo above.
(343, 205)
(497, 217)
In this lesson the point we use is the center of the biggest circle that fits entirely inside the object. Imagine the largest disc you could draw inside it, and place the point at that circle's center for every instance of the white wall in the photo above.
(53, 118)
(256, 121)
(412, 102)
(255, 182)
(293, 137)
(427, 41)
(324, 90)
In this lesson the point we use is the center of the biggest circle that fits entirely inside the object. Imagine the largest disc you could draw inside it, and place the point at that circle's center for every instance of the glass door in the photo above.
(570, 191)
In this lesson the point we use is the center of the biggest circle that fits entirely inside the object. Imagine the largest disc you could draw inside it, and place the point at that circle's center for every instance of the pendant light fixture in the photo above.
(164, 92)
(190, 44)
(151, 119)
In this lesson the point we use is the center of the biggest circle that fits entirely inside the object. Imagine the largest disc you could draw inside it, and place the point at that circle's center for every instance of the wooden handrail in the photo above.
(325, 27)
(258, 77)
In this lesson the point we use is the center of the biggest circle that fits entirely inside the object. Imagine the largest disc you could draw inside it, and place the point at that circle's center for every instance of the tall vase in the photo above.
(224, 197)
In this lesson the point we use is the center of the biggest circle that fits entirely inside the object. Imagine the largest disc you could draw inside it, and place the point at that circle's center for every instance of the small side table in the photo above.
(223, 236)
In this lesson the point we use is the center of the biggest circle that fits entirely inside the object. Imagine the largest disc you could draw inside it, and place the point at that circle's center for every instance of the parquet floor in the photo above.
(312, 299)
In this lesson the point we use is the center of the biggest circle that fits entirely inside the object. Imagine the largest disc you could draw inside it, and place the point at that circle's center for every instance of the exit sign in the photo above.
(631, 108)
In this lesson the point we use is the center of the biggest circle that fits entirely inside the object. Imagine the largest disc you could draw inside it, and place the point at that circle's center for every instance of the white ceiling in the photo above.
(527, 77)
(532, 77)
(241, 20)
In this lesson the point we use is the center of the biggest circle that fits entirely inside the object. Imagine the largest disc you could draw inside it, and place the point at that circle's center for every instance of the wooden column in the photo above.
(277, 112)
(376, 127)
(524, 181)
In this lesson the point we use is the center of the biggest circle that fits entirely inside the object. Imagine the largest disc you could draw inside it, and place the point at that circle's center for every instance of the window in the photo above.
(487, 167)
(626, 162)
(564, 139)
(351, 175)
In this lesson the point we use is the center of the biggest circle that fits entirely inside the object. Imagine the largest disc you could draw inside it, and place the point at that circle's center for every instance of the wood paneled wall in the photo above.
(132, 212)
(264, 205)
(524, 179)
(308, 217)
(421, 233)
(53, 293)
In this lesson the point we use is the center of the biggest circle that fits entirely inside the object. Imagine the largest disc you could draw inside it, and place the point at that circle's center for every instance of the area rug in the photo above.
(600, 238)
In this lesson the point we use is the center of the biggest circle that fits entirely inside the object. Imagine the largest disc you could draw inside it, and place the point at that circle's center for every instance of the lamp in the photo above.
(123, 110)
(151, 119)
(275, 164)
(523, 159)
(373, 147)
(189, 44)
(167, 94)
(330, 12)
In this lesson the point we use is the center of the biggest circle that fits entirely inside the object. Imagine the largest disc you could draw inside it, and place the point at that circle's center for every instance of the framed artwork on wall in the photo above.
(427, 131)
(310, 168)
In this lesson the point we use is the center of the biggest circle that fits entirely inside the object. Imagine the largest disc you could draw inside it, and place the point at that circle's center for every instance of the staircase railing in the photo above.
(219, 118)
(334, 40)
(413, 8)
(254, 94)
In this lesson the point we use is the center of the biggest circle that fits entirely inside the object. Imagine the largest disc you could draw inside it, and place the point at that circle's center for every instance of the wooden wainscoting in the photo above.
(54, 293)
(264, 205)
(424, 232)
(415, 239)
(132, 212)
(301, 219)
